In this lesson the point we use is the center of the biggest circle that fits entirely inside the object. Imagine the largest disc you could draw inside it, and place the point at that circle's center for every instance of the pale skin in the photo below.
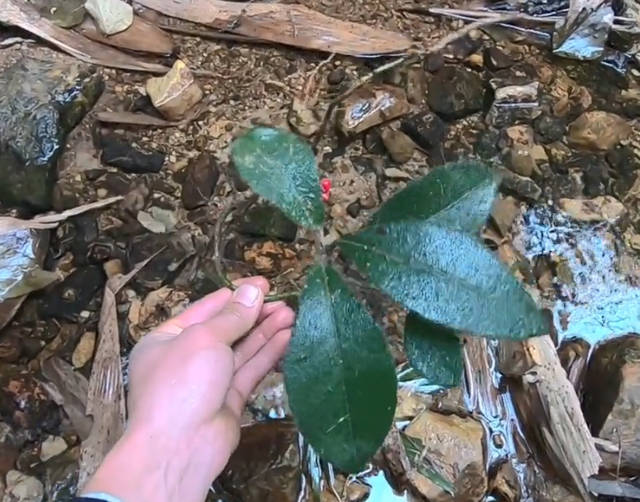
(190, 379)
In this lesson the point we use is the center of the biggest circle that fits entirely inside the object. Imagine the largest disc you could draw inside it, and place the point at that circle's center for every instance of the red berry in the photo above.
(325, 184)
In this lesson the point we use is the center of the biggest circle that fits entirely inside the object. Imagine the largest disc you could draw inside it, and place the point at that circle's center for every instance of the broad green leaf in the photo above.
(457, 195)
(433, 350)
(447, 276)
(281, 167)
(339, 375)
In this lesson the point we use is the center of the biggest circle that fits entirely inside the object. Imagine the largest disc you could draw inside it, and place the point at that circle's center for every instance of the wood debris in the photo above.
(105, 402)
(141, 36)
(22, 16)
(288, 24)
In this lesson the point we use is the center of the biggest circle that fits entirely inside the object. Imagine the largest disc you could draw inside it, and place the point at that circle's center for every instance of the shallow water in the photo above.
(599, 303)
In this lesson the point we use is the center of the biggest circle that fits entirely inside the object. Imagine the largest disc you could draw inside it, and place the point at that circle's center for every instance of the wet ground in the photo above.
(584, 268)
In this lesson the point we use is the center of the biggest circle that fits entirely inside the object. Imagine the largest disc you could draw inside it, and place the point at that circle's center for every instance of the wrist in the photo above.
(148, 466)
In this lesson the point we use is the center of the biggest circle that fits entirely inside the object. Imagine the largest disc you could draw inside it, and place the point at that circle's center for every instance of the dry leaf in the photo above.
(14, 13)
(142, 119)
(288, 24)
(141, 36)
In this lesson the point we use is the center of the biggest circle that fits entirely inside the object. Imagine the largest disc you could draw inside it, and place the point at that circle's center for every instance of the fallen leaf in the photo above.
(141, 36)
(287, 24)
(142, 119)
(71, 42)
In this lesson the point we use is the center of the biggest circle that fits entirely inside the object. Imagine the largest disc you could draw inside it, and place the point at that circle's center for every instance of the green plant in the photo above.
(421, 248)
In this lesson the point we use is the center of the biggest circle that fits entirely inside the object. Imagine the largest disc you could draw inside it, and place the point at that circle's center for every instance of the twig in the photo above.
(410, 59)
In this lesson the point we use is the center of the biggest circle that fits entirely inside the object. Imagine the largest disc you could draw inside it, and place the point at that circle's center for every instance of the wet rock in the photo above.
(595, 174)
(40, 102)
(454, 447)
(67, 299)
(598, 209)
(513, 104)
(22, 488)
(202, 175)
(353, 209)
(521, 161)
(265, 220)
(52, 446)
(496, 59)
(567, 185)
(83, 353)
(612, 393)
(455, 92)
(372, 141)
(175, 93)
(274, 474)
(370, 106)
(111, 16)
(520, 186)
(336, 76)
(598, 131)
(568, 99)
(119, 153)
(625, 162)
(25, 405)
(426, 129)
(550, 128)
(486, 145)
(434, 62)
(398, 144)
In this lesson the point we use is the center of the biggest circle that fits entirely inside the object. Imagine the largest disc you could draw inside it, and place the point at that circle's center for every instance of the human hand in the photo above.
(189, 382)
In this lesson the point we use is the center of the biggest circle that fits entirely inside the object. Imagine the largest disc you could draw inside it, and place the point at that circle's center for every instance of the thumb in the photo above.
(238, 316)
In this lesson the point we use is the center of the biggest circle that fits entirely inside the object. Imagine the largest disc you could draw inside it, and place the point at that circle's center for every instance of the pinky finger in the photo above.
(253, 371)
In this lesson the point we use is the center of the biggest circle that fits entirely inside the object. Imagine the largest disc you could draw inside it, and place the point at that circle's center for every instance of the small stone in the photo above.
(475, 61)
(372, 141)
(111, 16)
(336, 76)
(22, 488)
(395, 173)
(201, 178)
(486, 146)
(426, 129)
(539, 154)
(83, 352)
(558, 153)
(598, 131)
(102, 193)
(455, 93)
(434, 62)
(370, 106)
(265, 220)
(175, 93)
(504, 212)
(521, 186)
(303, 118)
(353, 209)
(513, 104)
(595, 175)
(604, 208)
(518, 135)
(119, 153)
(496, 59)
(52, 446)
(625, 162)
(521, 161)
(398, 144)
(550, 128)
(157, 220)
(112, 268)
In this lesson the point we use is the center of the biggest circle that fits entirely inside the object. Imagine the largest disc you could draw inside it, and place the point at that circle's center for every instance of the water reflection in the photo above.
(599, 303)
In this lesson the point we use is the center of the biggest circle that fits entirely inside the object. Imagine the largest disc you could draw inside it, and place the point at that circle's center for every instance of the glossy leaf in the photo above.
(433, 350)
(339, 375)
(447, 276)
(458, 195)
(281, 167)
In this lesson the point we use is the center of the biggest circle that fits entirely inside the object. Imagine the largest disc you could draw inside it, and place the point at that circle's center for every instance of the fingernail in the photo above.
(246, 295)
